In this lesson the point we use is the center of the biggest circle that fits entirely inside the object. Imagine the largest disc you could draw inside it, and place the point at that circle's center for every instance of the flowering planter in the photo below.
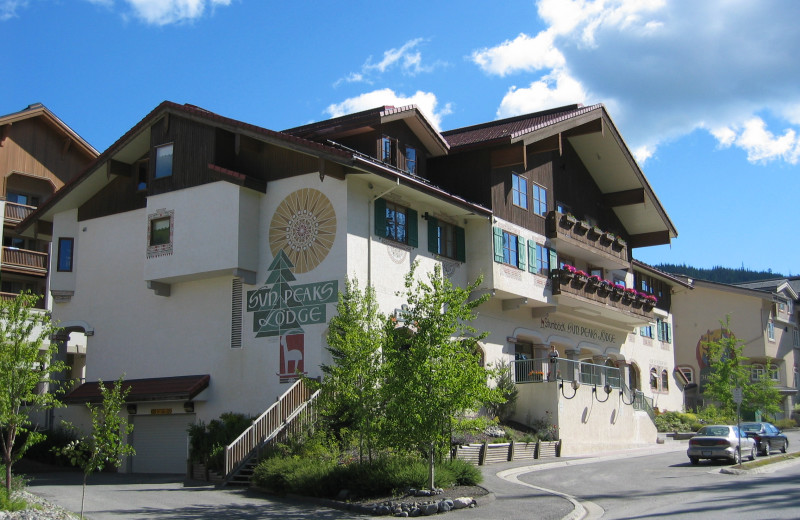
(579, 281)
(581, 226)
(619, 243)
(594, 233)
(568, 221)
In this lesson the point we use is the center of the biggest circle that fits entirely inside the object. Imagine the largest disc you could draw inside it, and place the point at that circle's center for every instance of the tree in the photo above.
(26, 365)
(432, 369)
(106, 443)
(351, 384)
(762, 395)
(726, 360)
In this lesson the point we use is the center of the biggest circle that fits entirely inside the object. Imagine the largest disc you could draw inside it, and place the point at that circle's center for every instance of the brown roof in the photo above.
(177, 388)
(513, 127)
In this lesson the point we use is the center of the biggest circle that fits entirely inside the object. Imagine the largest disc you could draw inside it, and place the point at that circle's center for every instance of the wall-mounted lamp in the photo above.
(132, 409)
(606, 388)
(574, 384)
(425, 216)
(188, 407)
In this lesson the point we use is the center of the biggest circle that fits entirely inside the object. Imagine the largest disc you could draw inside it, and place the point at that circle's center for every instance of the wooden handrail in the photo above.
(25, 258)
(16, 211)
(275, 418)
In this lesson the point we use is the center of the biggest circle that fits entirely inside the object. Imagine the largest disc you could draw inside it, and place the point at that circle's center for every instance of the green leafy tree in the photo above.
(762, 395)
(728, 369)
(106, 444)
(350, 388)
(432, 369)
(26, 366)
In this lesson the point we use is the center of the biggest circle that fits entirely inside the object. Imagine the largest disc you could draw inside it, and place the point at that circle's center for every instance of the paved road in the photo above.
(521, 491)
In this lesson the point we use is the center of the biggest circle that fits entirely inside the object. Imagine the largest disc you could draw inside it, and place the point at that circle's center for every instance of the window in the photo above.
(664, 381)
(65, 249)
(771, 331)
(757, 372)
(20, 198)
(411, 159)
(646, 331)
(15, 242)
(542, 260)
(396, 222)
(446, 239)
(774, 374)
(596, 271)
(389, 150)
(796, 337)
(539, 200)
(563, 208)
(688, 373)
(141, 174)
(163, 161)
(160, 231)
(519, 191)
(664, 331)
(510, 251)
(653, 379)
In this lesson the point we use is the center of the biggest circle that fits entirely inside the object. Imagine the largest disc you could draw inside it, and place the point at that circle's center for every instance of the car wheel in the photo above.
(783, 448)
(694, 460)
(765, 450)
(737, 457)
(753, 453)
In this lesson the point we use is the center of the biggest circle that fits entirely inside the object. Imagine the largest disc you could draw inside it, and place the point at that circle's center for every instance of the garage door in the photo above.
(161, 443)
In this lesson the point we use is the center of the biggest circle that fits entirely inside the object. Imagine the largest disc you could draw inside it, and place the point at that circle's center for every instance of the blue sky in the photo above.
(706, 94)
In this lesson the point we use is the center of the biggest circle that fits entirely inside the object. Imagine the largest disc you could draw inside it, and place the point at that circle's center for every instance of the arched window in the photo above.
(653, 379)
(664, 381)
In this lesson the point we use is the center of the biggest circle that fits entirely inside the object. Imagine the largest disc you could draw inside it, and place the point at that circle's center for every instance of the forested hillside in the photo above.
(718, 273)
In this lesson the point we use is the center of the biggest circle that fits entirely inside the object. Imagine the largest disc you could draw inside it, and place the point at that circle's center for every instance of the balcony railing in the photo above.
(602, 293)
(25, 260)
(539, 370)
(7, 296)
(17, 212)
(575, 233)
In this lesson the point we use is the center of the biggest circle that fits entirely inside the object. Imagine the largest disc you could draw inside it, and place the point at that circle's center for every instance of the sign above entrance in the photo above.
(576, 329)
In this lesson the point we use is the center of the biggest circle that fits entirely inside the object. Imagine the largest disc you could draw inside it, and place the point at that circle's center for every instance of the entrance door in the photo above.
(161, 443)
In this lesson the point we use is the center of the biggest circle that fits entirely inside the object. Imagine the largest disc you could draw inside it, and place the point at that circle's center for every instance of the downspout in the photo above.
(370, 227)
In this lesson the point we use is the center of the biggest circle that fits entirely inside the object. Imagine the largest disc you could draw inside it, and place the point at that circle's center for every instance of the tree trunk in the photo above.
(431, 458)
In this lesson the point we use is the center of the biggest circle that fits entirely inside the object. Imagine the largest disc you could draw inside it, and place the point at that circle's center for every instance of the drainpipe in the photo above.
(371, 224)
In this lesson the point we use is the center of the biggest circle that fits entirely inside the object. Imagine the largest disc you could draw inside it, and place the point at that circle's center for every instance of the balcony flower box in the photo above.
(629, 295)
(566, 273)
(619, 242)
(568, 220)
(594, 233)
(580, 279)
(607, 238)
(649, 302)
(604, 288)
(594, 280)
(581, 226)
(617, 290)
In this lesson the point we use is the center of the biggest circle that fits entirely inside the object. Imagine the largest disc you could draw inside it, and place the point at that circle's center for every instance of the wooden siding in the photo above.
(467, 174)
(540, 171)
(118, 196)
(36, 149)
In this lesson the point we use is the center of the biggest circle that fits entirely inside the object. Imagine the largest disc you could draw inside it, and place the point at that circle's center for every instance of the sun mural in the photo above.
(304, 226)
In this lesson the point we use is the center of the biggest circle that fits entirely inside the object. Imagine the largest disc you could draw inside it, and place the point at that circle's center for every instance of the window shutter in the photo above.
(433, 232)
(521, 253)
(413, 232)
(461, 245)
(380, 217)
(667, 332)
(553, 258)
(498, 244)
(659, 328)
(532, 259)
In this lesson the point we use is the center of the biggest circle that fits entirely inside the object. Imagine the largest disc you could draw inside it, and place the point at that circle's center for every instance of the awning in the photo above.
(177, 388)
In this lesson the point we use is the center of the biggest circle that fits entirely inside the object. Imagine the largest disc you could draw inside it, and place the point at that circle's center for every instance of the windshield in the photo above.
(751, 427)
(713, 431)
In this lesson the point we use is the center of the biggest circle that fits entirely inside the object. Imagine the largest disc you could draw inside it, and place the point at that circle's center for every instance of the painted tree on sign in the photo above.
(431, 365)
(350, 388)
(26, 366)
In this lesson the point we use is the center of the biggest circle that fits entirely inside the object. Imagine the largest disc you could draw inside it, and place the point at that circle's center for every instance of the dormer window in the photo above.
(411, 160)
(163, 161)
(389, 150)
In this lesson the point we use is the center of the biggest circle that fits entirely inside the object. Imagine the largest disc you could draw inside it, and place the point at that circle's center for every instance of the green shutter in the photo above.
(553, 259)
(532, 259)
(413, 232)
(380, 217)
(667, 332)
(433, 232)
(461, 244)
(659, 328)
(521, 253)
(498, 244)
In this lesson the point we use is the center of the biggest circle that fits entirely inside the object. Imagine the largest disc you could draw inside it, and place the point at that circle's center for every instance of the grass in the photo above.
(12, 503)
(770, 460)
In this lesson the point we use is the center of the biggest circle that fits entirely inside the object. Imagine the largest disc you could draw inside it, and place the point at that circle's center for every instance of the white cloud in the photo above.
(165, 12)
(553, 90)
(668, 68)
(408, 59)
(8, 8)
(523, 53)
(426, 101)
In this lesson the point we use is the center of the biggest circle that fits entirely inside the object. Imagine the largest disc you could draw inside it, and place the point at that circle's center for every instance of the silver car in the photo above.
(720, 441)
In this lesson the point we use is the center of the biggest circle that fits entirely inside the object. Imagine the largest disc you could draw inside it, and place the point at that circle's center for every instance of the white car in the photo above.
(720, 441)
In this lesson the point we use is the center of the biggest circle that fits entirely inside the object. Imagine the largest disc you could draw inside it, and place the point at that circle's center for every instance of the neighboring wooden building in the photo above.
(207, 255)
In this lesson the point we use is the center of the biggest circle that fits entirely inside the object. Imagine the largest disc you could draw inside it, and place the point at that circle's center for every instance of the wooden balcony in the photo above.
(594, 300)
(15, 213)
(24, 261)
(7, 296)
(576, 238)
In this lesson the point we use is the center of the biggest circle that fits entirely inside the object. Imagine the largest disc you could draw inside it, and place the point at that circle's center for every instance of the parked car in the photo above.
(720, 441)
(767, 436)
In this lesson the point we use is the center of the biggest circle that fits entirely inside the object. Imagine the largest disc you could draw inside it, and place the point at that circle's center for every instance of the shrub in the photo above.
(207, 442)
(676, 422)
(46, 450)
(782, 424)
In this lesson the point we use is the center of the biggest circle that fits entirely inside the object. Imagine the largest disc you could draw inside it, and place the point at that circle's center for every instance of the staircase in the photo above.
(289, 415)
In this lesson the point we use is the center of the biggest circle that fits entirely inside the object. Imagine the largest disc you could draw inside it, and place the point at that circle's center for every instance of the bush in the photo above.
(782, 424)
(207, 442)
(11, 503)
(676, 422)
(48, 449)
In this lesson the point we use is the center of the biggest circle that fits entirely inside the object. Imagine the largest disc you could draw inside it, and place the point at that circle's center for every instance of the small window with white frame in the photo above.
(757, 372)
(688, 373)
(164, 161)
